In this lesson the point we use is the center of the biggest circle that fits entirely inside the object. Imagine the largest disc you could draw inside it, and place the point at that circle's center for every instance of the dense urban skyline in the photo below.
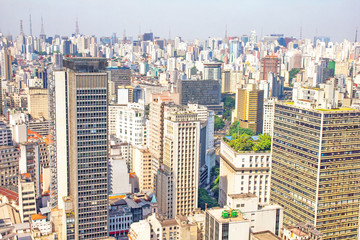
(336, 19)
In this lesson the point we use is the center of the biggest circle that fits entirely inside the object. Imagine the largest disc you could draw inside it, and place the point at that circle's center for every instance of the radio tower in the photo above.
(77, 27)
(356, 35)
(21, 28)
(42, 26)
(300, 32)
(30, 26)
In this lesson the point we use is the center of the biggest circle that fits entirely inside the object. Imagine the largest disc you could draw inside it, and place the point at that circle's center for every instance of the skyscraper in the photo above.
(316, 168)
(249, 106)
(178, 178)
(269, 64)
(81, 144)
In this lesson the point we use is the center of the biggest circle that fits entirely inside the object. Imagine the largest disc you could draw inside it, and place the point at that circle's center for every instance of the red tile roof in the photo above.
(11, 195)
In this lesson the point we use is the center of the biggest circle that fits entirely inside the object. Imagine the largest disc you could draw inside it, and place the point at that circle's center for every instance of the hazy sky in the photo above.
(187, 18)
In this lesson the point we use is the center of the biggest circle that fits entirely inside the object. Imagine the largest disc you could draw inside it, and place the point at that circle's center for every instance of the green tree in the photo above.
(235, 129)
(205, 198)
(242, 142)
(218, 123)
(229, 102)
(263, 144)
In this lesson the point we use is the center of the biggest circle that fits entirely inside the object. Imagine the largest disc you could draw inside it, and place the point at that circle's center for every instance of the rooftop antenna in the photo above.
(300, 32)
(42, 26)
(77, 31)
(30, 26)
(169, 33)
(21, 28)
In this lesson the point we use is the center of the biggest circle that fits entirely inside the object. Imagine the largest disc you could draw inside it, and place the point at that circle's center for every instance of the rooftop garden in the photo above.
(243, 139)
(245, 142)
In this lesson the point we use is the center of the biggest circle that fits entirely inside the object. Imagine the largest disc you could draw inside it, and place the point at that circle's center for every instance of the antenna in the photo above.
(169, 33)
(77, 27)
(42, 26)
(300, 32)
(30, 26)
(356, 35)
(21, 28)
(226, 36)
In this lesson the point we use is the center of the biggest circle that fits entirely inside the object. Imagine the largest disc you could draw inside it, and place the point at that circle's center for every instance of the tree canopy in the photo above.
(218, 123)
(235, 129)
(244, 142)
(205, 198)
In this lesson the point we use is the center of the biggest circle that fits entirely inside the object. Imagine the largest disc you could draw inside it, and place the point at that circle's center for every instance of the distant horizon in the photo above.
(337, 19)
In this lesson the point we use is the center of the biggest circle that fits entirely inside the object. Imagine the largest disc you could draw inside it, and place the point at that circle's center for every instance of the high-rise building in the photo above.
(242, 173)
(6, 67)
(202, 92)
(38, 103)
(5, 134)
(249, 104)
(177, 180)
(9, 168)
(268, 119)
(81, 144)
(118, 76)
(269, 64)
(316, 167)
(212, 71)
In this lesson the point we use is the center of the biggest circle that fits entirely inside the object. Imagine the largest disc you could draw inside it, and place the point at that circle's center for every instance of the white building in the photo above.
(268, 118)
(130, 123)
(244, 172)
(263, 217)
(40, 222)
(219, 225)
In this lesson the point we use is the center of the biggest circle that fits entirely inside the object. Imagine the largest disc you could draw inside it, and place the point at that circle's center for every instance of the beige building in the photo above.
(38, 103)
(178, 228)
(178, 178)
(144, 167)
(27, 200)
(249, 105)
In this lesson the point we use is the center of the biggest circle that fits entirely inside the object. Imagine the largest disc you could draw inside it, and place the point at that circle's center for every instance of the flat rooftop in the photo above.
(217, 214)
(264, 235)
(242, 195)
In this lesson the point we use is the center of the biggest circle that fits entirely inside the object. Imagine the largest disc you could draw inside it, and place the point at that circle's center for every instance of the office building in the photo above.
(130, 123)
(249, 104)
(27, 199)
(202, 92)
(243, 172)
(6, 67)
(177, 180)
(81, 147)
(5, 134)
(38, 103)
(315, 166)
(269, 64)
(268, 118)
(212, 71)
(263, 217)
(225, 81)
(223, 223)
(145, 168)
(9, 165)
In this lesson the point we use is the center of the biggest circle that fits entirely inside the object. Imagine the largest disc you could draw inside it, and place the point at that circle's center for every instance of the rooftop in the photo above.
(242, 195)
(37, 217)
(264, 235)
(217, 212)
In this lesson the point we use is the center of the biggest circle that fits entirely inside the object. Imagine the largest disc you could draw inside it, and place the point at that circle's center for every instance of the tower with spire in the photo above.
(30, 26)
(77, 31)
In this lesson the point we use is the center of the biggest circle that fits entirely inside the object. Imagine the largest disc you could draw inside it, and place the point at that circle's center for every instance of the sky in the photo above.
(189, 19)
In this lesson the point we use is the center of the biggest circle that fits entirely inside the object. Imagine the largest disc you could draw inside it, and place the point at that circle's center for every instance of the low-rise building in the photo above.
(40, 222)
